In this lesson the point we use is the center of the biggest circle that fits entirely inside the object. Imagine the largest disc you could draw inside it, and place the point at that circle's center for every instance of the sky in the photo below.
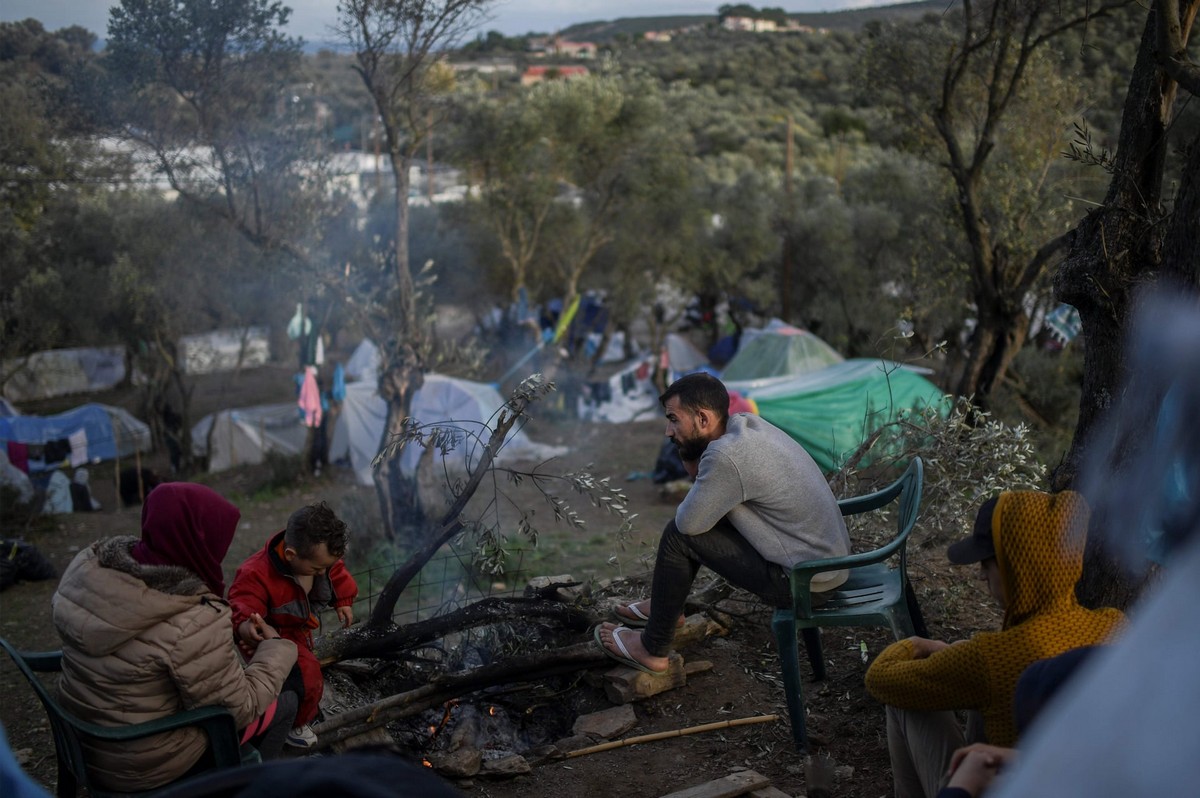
(311, 18)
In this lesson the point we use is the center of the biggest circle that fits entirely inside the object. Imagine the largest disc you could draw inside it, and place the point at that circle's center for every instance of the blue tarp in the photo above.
(96, 421)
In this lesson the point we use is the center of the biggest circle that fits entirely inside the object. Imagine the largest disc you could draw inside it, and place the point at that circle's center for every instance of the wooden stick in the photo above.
(646, 738)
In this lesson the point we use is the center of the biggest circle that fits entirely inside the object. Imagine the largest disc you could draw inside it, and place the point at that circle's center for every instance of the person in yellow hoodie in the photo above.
(1029, 547)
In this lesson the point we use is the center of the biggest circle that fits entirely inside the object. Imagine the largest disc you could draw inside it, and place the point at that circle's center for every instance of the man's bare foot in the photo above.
(631, 641)
(637, 613)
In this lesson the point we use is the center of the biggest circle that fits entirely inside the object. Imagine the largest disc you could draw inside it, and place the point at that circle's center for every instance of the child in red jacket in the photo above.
(298, 573)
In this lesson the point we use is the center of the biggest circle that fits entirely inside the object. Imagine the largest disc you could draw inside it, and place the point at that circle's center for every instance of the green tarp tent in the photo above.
(831, 411)
(774, 355)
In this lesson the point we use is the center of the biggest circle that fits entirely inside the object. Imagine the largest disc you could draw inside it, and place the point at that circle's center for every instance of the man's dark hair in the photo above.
(699, 391)
(313, 525)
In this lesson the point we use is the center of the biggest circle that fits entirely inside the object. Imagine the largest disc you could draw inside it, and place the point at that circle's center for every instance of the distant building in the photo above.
(749, 24)
(536, 74)
(542, 46)
(657, 36)
(491, 66)
(574, 49)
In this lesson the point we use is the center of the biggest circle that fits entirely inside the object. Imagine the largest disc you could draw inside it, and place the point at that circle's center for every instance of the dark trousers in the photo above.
(721, 549)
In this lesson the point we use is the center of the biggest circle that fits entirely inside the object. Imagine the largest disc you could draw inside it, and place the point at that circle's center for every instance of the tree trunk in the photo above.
(1116, 250)
(1116, 247)
(403, 519)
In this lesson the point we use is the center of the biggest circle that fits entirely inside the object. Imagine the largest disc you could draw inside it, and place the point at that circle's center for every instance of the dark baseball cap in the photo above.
(978, 546)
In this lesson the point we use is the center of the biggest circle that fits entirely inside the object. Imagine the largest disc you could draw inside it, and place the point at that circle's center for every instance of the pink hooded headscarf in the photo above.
(190, 526)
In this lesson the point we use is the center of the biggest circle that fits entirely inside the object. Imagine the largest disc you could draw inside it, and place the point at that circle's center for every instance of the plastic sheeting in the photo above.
(364, 362)
(104, 430)
(774, 355)
(830, 411)
(225, 350)
(466, 404)
(244, 435)
(59, 372)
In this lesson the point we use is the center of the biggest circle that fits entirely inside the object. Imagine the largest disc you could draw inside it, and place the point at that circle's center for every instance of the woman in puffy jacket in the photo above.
(146, 634)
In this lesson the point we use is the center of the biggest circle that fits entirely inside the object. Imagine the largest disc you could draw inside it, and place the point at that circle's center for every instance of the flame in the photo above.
(426, 763)
(492, 711)
(433, 729)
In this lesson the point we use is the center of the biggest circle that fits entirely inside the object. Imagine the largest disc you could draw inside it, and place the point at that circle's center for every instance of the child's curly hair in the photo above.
(314, 524)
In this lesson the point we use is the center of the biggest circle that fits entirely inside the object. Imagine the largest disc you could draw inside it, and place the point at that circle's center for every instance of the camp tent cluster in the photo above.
(790, 377)
(245, 435)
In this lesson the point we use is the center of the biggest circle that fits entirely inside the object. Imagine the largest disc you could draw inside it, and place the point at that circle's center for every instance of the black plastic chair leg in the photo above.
(914, 611)
(816, 657)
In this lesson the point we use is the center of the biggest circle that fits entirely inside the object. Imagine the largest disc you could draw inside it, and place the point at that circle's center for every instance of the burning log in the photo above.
(368, 642)
(443, 688)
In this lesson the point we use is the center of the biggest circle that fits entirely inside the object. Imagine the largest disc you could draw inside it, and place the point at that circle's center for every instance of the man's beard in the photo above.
(692, 448)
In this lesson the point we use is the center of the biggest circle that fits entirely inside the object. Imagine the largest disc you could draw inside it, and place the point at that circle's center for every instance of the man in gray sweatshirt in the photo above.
(759, 505)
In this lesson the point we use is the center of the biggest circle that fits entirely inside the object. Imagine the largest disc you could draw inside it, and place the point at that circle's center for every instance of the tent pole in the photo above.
(117, 467)
(137, 461)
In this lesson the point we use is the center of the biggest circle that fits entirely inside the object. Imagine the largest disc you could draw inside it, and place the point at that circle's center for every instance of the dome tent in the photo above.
(830, 412)
(776, 354)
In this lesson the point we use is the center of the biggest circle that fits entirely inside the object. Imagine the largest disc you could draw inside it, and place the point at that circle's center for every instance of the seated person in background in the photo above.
(82, 500)
(145, 635)
(136, 484)
(759, 506)
(296, 575)
(1029, 546)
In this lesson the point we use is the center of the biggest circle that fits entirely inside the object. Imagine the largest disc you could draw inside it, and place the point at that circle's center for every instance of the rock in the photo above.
(844, 772)
(463, 763)
(573, 743)
(23, 756)
(607, 723)
(546, 753)
(511, 765)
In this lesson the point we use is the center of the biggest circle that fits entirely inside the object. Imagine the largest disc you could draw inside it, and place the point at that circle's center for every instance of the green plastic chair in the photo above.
(70, 732)
(873, 595)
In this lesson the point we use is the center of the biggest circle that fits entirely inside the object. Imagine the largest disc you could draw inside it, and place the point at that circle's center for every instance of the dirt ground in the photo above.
(845, 723)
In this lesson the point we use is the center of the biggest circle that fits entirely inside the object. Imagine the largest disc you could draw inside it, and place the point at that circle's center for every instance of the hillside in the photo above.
(851, 20)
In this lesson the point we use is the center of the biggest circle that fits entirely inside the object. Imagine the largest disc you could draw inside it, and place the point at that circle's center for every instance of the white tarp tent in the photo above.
(244, 435)
(364, 362)
(225, 350)
(59, 372)
(461, 403)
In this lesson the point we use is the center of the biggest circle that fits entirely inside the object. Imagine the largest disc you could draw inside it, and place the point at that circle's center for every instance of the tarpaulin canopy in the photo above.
(830, 412)
(91, 433)
(59, 372)
(463, 403)
(244, 435)
(775, 354)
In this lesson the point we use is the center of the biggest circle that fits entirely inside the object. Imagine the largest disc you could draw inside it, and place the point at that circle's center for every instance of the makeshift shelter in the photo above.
(774, 355)
(59, 372)
(364, 361)
(225, 350)
(87, 434)
(831, 411)
(244, 435)
(631, 393)
(462, 403)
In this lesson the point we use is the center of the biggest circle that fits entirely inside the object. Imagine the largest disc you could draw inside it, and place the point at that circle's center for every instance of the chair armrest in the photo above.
(43, 661)
(856, 505)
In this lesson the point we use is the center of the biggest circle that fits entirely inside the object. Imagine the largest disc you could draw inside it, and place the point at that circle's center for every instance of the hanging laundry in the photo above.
(310, 398)
(79, 447)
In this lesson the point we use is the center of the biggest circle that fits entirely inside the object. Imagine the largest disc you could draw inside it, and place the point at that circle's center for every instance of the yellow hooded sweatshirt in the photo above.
(1039, 541)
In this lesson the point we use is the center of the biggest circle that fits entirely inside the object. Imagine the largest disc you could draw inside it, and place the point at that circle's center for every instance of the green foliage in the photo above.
(969, 457)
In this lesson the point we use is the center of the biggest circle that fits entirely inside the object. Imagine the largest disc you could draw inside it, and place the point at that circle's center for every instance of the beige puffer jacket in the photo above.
(141, 642)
